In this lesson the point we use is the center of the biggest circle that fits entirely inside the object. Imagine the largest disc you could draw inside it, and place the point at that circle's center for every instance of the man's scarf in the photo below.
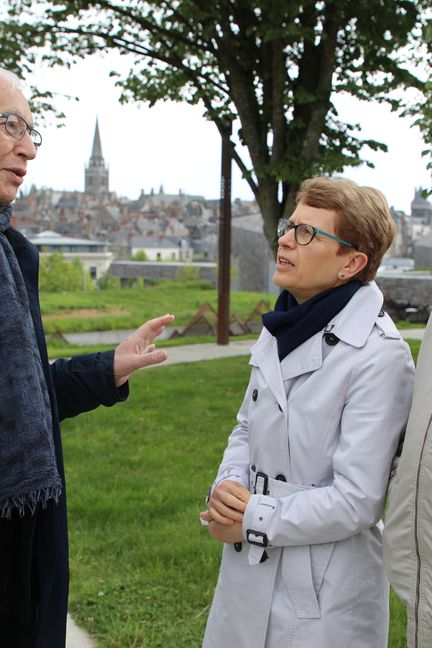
(28, 468)
(292, 323)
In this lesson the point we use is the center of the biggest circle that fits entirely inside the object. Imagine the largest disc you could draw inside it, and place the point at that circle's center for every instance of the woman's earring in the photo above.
(341, 275)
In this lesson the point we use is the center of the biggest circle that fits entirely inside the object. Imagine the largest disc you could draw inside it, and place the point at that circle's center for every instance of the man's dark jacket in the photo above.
(34, 574)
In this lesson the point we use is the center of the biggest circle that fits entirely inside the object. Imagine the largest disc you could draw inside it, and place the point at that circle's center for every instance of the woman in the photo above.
(301, 488)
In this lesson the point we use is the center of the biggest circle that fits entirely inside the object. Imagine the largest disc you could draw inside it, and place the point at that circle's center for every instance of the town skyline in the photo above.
(105, 230)
(174, 146)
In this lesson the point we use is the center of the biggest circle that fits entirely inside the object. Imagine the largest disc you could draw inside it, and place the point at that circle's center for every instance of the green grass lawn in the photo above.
(128, 308)
(143, 569)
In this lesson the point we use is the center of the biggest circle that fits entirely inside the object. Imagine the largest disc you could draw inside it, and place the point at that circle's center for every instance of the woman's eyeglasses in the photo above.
(303, 233)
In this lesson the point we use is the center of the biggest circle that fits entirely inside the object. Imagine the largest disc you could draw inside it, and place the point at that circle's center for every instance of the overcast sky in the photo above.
(174, 146)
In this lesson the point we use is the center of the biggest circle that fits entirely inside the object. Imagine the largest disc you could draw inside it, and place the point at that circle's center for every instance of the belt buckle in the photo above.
(257, 538)
(264, 477)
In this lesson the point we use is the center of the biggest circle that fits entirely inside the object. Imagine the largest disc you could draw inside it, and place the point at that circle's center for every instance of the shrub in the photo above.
(58, 275)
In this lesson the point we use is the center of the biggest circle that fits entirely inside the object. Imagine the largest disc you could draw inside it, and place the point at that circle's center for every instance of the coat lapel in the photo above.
(305, 358)
(264, 355)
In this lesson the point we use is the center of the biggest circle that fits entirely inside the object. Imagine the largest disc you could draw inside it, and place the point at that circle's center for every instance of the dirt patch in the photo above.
(84, 313)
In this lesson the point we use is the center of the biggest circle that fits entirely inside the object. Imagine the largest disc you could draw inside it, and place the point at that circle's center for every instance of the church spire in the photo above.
(96, 159)
(96, 173)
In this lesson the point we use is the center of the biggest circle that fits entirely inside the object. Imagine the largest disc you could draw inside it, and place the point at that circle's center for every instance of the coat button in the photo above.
(281, 477)
(255, 394)
(331, 339)
(238, 546)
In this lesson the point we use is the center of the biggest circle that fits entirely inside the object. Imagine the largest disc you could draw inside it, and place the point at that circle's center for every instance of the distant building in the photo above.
(96, 173)
(94, 255)
(161, 249)
(423, 253)
(421, 209)
(401, 246)
(128, 271)
(396, 264)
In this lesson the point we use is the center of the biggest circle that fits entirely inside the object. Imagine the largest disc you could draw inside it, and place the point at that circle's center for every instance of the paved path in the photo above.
(413, 334)
(211, 351)
(77, 638)
(196, 352)
(115, 337)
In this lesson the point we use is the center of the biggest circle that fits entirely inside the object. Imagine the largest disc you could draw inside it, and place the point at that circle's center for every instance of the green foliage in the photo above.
(271, 68)
(108, 282)
(58, 275)
(188, 273)
(140, 256)
(143, 570)
(422, 109)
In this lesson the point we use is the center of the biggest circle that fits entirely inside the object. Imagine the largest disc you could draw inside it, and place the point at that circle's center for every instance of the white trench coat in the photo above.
(314, 442)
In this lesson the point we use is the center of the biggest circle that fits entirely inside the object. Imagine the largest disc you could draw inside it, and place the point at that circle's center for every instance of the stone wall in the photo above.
(255, 270)
(254, 259)
(161, 270)
(406, 290)
(423, 252)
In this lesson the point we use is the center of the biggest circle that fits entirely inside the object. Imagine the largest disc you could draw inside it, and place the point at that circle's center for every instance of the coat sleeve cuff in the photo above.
(234, 475)
(256, 519)
(230, 473)
(105, 364)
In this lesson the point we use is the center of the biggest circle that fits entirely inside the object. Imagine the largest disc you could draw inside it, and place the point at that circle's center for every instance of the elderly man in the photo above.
(35, 396)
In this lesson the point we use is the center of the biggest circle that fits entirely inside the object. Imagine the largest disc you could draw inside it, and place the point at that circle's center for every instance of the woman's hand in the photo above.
(227, 504)
(226, 534)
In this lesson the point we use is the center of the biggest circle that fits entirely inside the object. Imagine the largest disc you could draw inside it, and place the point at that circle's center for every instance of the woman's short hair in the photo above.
(12, 78)
(363, 217)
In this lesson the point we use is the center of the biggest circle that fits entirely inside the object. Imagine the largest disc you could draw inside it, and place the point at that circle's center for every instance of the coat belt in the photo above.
(296, 561)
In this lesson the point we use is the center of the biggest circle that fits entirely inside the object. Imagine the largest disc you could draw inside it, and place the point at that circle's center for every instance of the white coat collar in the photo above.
(352, 325)
(355, 322)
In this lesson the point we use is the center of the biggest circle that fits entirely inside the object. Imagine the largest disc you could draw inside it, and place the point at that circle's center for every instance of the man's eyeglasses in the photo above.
(17, 127)
(303, 233)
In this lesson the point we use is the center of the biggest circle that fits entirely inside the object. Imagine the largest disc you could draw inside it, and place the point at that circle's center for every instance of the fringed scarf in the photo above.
(292, 323)
(28, 468)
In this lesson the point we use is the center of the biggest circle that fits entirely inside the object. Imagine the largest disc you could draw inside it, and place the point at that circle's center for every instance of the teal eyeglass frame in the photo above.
(285, 225)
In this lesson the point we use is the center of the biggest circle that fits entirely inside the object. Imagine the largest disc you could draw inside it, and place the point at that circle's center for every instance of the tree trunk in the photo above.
(271, 210)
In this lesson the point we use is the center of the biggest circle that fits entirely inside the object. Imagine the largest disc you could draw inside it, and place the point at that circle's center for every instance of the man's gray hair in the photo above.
(12, 78)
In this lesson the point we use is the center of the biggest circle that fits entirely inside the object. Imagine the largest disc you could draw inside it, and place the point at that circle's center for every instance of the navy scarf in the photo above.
(292, 323)
(28, 468)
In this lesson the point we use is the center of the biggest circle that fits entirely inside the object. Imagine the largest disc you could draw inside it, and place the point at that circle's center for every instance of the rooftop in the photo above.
(49, 237)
